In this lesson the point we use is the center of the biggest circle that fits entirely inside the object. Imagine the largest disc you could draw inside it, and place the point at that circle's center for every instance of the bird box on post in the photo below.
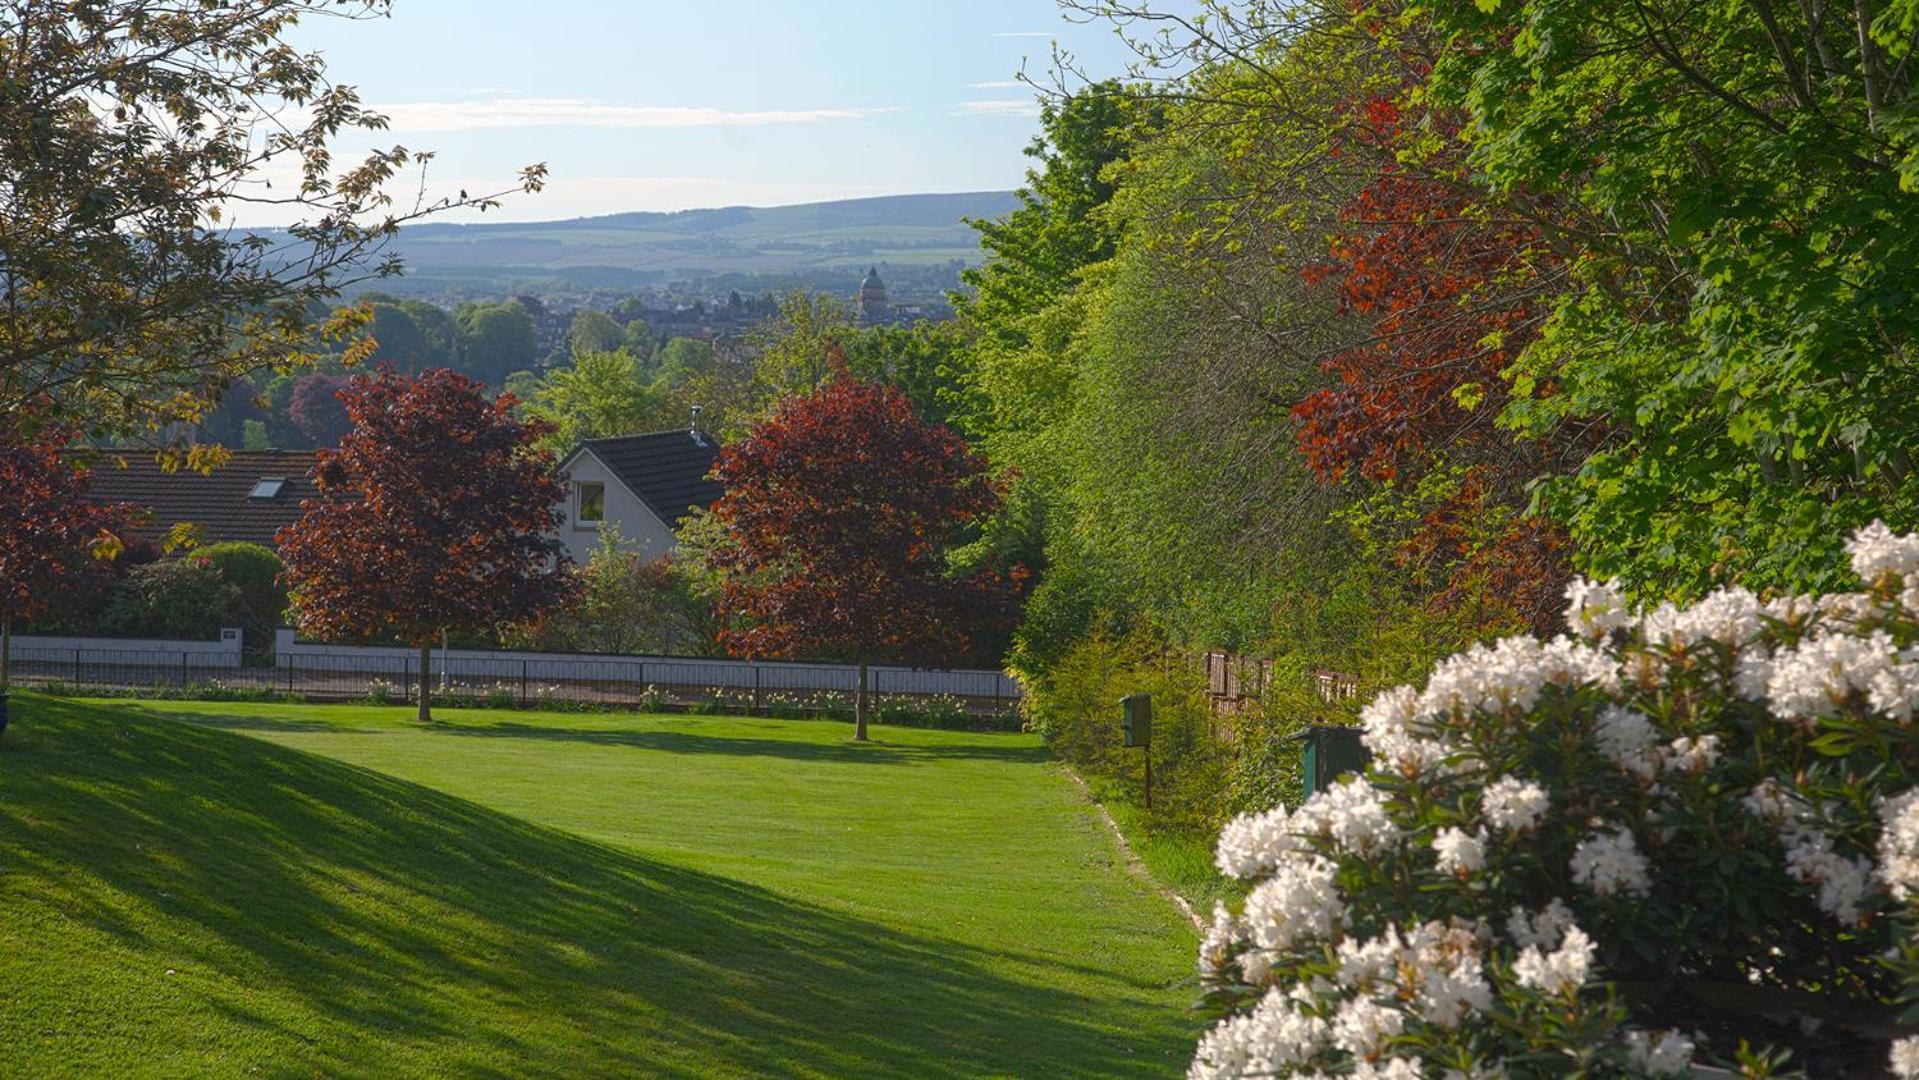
(1136, 718)
(1331, 752)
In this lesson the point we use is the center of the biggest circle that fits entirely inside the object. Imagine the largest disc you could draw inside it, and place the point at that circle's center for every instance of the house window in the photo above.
(592, 503)
(267, 487)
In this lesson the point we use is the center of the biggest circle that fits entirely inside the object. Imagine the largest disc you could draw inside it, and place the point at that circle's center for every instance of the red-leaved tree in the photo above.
(49, 529)
(837, 515)
(438, 513)
(316, 411)
(1448, 287)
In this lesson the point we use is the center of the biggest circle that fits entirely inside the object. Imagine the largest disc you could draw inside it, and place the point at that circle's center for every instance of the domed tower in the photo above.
(870, 304)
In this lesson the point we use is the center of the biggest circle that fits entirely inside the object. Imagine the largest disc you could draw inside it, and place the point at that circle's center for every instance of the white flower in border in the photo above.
(1843, 883)
(1352, 814)
(1394, 732)
(1390, 1069)
(1609, 863)
(1692, 755)
(1217, 946)
(1459, 851)
(1904, 1058)
(1899, 845)
(1275, 1035)
(1595, 608)
(1362, 1026)
(1819, 676)
(1668, 1055)
(1513, 804)
(1251, 844)
(1561, 971)
(1770, 801)
(1542, 930)
(1729, 616)
(1877, 550)
(1627, 738)
(1299, 902)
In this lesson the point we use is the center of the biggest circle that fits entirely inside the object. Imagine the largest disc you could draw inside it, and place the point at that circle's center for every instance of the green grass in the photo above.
(333, 890)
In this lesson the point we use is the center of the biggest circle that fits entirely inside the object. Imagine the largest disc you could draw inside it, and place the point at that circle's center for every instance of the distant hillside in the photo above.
(644, 248)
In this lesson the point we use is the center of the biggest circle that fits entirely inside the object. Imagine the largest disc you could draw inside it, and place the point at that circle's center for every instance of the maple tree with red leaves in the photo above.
(438, 513)
(50, 531)
(1450, 289)
(837, 514)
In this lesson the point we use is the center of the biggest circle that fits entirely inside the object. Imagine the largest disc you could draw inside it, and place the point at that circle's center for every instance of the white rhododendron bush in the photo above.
(1668, 838)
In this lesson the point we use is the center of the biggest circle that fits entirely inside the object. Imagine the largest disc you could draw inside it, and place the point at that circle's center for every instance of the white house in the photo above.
(644, 484)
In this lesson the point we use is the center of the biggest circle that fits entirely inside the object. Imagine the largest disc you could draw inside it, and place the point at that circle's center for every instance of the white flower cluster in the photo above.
(1877, 551)
(1609, 862)
(1275, 1036)
(1899, 845)
(1675, 699)
(1904, 1059)
(1667, 1054)
(1843, 883)
(1514, 805)
(1459, 851)
(1595, 609)
(1437, 967)
(1820, 677)
(1563, 970)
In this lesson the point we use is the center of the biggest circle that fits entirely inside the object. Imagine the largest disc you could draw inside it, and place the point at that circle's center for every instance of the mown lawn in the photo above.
(223, 888)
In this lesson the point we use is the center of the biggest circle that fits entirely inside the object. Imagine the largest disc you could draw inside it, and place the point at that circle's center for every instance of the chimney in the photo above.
(693, 427)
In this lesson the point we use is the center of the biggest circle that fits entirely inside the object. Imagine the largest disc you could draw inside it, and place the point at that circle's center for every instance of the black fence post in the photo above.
(524, 700)
(759, 706)
(183, 669)
(406, 678)
(76, 668)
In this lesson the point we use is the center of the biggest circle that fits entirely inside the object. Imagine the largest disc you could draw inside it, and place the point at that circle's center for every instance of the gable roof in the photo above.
(219, 502)
(666, 469)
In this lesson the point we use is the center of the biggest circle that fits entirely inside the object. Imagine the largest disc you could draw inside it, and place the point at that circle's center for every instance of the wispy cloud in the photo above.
(1023, 33)
(996, 108)
(494, 113)
(1003, 84)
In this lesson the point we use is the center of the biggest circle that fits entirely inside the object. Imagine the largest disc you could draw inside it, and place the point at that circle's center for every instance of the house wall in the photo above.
(640, 529)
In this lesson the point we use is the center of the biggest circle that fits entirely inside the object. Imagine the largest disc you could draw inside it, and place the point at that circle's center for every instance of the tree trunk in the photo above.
(859, 707)
(426, 683)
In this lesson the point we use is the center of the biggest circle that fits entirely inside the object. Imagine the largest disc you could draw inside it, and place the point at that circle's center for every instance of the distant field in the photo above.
(190, 888)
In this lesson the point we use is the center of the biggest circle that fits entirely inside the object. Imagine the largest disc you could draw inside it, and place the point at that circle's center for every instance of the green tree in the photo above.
(495, 340)
(1738, 183)
(593, 332)
(602, 394)
(130, 134)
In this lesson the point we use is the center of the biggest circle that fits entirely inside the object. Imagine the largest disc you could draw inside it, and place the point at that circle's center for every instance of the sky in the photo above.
(651, 105)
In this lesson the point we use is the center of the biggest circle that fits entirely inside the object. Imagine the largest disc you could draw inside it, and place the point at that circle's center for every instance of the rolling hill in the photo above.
(639, 249)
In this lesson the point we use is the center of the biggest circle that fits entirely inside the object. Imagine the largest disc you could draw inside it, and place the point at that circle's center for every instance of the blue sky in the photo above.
(663, 106)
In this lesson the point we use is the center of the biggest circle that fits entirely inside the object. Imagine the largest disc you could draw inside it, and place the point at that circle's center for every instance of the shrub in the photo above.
(1702, 820)
(173, 598)
(254, 572)
(1076, 709)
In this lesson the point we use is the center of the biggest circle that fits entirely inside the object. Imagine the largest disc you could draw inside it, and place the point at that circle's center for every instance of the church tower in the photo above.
(870, 304)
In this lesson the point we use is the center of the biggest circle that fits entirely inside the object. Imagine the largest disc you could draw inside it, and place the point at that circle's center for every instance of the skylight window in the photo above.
(267, 487)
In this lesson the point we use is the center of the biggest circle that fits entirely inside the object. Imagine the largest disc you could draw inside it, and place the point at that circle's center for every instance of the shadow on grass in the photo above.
(878, 752)
(355, 919)
(686, 742)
